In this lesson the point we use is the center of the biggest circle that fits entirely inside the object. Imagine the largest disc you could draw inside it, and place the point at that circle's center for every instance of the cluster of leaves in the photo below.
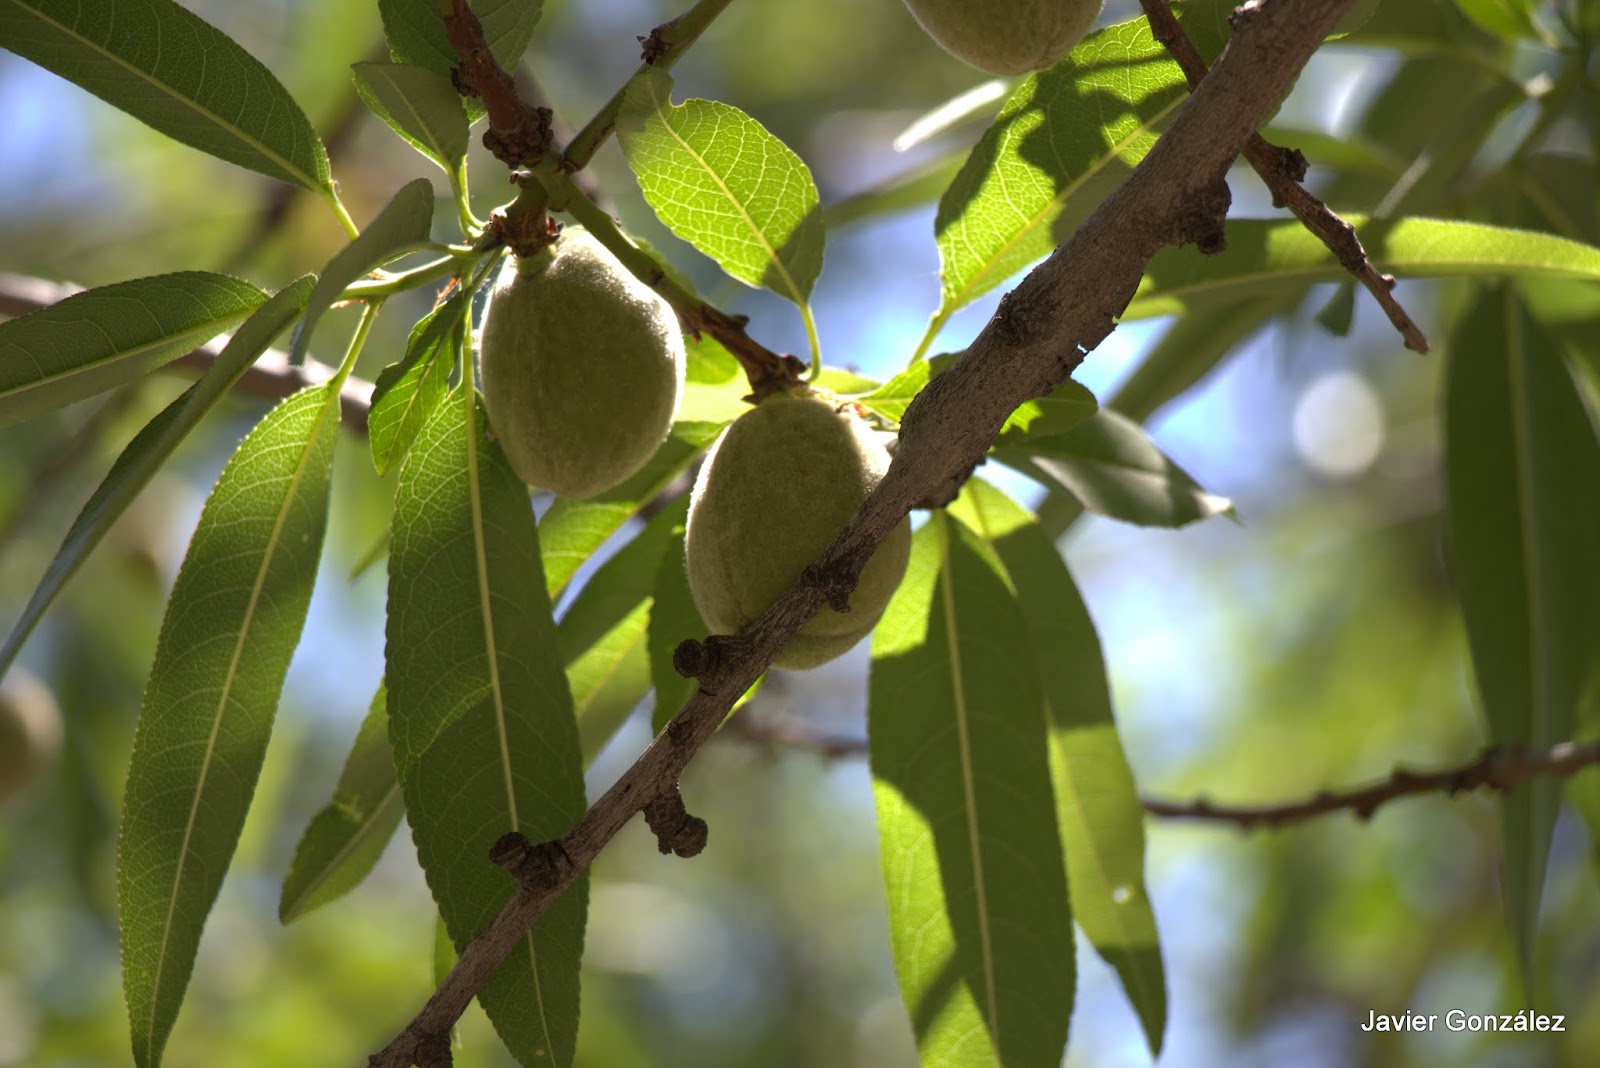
(1006, 807)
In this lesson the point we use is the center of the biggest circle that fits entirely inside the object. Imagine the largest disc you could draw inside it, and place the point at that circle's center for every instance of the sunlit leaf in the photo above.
(1268, 256)
(172, 70)
(572, 530)
(1523, 511)
(408, 390)
(418, 104)
(479, 712)
(1503, 18)
(1097, 805)
(103, 337)
(1065, 407)
(721, 182)
(149, 450)
(979, 919)
(232, 624)
(401, 227)
(344, 840)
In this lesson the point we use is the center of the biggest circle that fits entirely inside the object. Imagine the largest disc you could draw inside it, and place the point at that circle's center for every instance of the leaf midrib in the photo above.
(289, 168)
(202, 331)
(356, 836)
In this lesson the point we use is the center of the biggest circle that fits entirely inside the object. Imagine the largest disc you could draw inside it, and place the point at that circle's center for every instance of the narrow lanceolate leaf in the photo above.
(480, 715)
(673, 617)
(1062, 139)
(342, 844)
(1097, 805)
(604, 631)
(418, 104)
(149, 449)
(721, 182)
(408, 390)
(1267, 256)
(1504, 18)
(103, 337)
(400, 227)
(979, 920)
(1523, 507)
(572, 530)
(232, 624)
(415, 32)
(172, 70)
(1110, 464)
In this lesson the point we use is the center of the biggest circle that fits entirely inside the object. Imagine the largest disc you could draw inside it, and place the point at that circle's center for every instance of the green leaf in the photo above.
(1523, 514)
(1063, 138)
(604, 631)
(979, 917)
(1097, 804)
(673, 617)
(408, 391)
(418, 104)
(103, 337)
(844, 381)
(1268, 256)
(891, 399)
(232, 624)
(344, 840)
(149, 450)
(721, 182)
(1503, 18)
(415, 32)
(402, 226)
(571, 530)
(1191, 347)
(1066, 406)
(174, 71)
(479, 712)
(1338, 314)
(1110, 464)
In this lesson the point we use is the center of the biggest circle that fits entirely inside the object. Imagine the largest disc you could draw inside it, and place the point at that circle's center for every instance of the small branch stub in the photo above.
(676, 831)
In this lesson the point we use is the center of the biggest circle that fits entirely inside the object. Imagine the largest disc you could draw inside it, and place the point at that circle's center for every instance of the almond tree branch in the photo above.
(271, 378)
(1283, 169)
(1036, 339)
(1501, 768)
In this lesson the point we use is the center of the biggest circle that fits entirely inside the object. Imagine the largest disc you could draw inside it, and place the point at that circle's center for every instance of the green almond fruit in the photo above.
(1006, 36)
(775, 490)
(30, 730)
(582, 367)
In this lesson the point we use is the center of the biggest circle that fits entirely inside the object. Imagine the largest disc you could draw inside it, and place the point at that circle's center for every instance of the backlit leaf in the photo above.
(420, 105)
(408, 391)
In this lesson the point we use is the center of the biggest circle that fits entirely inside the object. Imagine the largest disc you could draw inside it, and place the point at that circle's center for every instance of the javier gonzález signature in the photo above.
(1458, 1020)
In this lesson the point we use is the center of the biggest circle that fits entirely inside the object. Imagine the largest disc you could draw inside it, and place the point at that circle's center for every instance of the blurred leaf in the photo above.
(231, 626)
(673, 617)
(604, 634)
(420, 105)
(1341, 153)
(408, 391)
(416, 34)
(1097, 804)
(916, 187)
(572, 530)
(345, 839)
(893, 397)
(979, 101)
(709, 363)
(1523, 511)
(150, 449)
(1503, 18)
(844, 381)
(721, 182)
(1265, 256)
(1558, 193)
(1048, 417)
(103, 337)
(979, 916)
(1191, 347)
(1110, 464)
(479, 712)
(1094, 111)
(174, 71)
(402, 226)
(1337, 316)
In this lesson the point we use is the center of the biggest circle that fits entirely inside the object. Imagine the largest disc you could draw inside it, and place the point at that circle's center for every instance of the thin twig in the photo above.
(1283, 169)
(272, 377)
(1499, 768)
(1036, 339)
(518, 134)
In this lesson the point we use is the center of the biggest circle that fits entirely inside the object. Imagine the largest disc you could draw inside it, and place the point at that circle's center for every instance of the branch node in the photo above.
(676, 831)
(835, 583)
(536, 867)
(433, 1051)
(694, 659)
(1204, 222)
